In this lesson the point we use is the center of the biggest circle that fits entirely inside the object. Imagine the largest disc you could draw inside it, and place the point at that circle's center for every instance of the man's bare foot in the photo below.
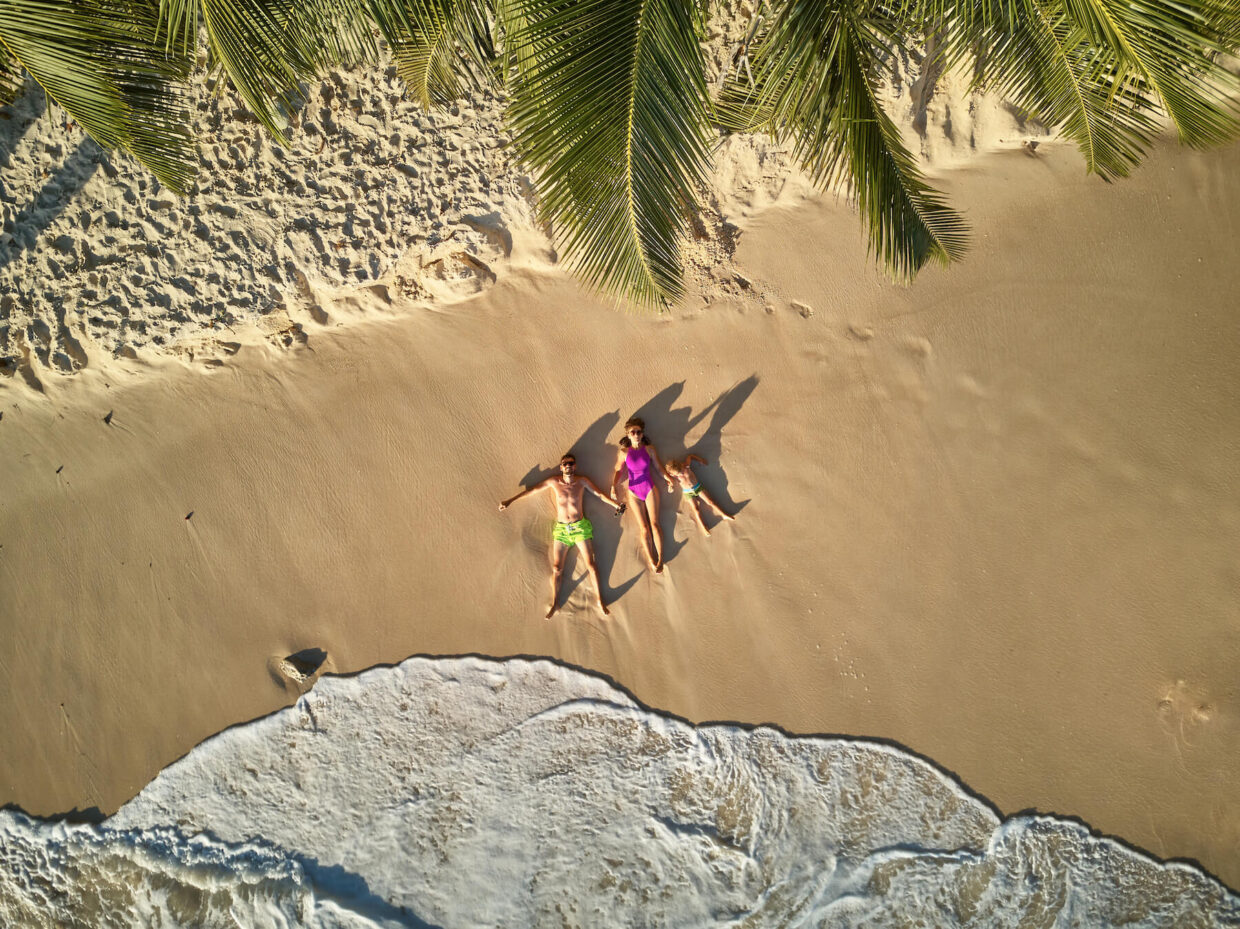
(730, 519)
(705, 531)
(551, 610)
(658, 567)
(603, 608)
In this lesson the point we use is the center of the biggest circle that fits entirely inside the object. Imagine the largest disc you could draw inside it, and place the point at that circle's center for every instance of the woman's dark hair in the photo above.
(625, 441)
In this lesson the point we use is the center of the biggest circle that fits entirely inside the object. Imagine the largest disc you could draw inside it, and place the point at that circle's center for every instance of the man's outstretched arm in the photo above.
(504, 504)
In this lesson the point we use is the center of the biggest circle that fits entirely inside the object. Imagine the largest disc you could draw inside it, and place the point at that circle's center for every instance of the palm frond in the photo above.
(1102, 71)
(342, 31)
(179, 22)
(815, 73)
(516, 56)
(103, 62)
(612, 114)
(264, 49)
(1049, 67)
(267, 48)
(1224, 19)
(439, 45)
(1176, 51)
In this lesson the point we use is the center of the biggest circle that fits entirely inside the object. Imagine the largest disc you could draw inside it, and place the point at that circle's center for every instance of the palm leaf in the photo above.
(1101, 71)
(1050, 67)
(516, 58)
(612, 114)
(342, 32)
(439, 45)
(1176, 51)
(267, 48)
(257, 43)
(101, 60)
(814, 78)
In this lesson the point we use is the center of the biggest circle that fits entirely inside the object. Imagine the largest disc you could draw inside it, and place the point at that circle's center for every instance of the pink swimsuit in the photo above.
(638, 462)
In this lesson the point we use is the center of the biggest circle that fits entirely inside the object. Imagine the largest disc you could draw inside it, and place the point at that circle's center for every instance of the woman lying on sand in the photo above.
(640, 462)
(692, 488)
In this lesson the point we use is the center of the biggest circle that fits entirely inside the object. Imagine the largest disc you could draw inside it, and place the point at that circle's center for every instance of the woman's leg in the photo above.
(638, 509)
(652, 510)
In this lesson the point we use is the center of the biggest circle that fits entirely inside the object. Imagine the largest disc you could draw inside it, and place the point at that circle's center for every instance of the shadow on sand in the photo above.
(669, 426)
(37, 216)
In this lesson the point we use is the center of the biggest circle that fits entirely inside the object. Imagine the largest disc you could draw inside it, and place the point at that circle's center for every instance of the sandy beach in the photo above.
(992, 516)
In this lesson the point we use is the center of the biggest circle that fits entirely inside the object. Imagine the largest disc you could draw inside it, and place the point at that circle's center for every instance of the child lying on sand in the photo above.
(692, 488)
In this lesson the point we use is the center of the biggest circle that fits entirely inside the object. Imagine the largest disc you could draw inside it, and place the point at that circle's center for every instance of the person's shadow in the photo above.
(668, 427)
(596, 459)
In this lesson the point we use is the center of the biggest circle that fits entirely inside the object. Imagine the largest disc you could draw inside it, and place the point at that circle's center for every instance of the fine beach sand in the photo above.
(992, 516)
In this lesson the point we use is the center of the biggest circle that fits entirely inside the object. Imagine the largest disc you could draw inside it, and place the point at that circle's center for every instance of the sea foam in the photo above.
(464, 792)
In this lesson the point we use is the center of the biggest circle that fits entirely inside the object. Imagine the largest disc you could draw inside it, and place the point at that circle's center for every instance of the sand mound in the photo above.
(373, 199)
(96, 257)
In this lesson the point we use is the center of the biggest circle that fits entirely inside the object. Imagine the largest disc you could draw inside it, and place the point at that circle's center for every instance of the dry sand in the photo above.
(992, 516)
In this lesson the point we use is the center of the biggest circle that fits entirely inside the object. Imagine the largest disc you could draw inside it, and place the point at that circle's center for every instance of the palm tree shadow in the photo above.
(59, 189)
(669, 426)
(594, 460)
(19, 116)
(51, 201)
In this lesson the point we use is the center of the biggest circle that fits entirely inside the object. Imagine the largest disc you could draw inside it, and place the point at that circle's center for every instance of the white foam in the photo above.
(466, 792)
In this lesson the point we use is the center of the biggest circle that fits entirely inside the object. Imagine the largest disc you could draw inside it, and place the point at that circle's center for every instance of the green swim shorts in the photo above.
(572, 533)
(694, 490)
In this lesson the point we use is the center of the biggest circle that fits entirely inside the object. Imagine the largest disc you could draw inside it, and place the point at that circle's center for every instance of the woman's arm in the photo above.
(593, 488)
(621, 468)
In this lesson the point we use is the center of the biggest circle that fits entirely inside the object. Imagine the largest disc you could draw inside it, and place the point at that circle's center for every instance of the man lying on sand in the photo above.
(572, 527)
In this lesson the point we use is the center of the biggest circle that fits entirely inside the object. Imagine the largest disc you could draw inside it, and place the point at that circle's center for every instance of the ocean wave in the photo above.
(465, 792)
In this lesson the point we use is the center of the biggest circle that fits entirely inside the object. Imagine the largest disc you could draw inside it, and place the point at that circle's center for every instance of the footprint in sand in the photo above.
(918, 347)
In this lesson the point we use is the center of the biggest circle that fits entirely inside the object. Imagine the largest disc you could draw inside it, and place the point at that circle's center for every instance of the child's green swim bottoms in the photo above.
(572, 533)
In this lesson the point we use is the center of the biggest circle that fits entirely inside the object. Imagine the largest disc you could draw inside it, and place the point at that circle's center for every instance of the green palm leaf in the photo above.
(516, 58)
(1101, 71)
(267, 48)
(102, 61)
(612, 114)
(439, 45)
(1050, 68)
(814, 77)
(1176, 50)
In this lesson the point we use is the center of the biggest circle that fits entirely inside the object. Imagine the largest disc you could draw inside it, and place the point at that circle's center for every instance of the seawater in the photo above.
(464, 792)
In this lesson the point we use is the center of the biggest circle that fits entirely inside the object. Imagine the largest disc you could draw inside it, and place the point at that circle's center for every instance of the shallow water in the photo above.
(462, 792)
